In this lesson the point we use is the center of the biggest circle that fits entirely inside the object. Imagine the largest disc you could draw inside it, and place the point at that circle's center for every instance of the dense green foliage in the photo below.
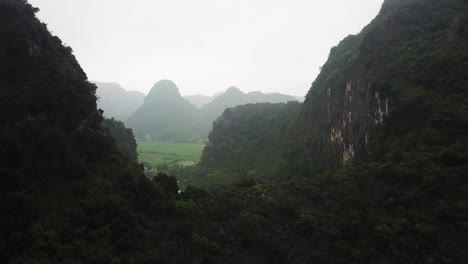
(68, 195)
(412, 57)
(245, 142)
(124, 138)
(48, 111)
(401, 196)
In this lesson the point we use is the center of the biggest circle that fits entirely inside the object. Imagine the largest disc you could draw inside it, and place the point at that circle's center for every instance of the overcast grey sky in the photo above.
(205, 45)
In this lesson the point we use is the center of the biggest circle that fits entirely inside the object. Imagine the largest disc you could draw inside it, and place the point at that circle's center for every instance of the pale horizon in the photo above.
(208, 45)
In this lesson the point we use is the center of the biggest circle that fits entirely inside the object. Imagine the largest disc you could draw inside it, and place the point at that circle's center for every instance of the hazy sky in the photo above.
(205, 45)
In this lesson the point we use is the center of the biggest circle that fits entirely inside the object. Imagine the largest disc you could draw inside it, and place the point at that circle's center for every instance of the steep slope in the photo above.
(164, 115)
(390, 107)
(67, 194)
(396, 86)
(48, 119)
(116, 102)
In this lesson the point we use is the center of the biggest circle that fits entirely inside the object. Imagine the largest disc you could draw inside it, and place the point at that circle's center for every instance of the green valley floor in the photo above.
(157, 153)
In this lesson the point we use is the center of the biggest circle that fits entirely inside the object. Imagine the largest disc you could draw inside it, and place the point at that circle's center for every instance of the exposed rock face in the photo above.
(343, 133)
(350, 130)
(381, 75)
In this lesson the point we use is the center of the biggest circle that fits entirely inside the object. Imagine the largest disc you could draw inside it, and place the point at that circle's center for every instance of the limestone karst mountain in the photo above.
(393, 83)
(164, 115)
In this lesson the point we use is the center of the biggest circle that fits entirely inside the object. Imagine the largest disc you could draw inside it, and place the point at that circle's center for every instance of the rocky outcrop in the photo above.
(384, 76)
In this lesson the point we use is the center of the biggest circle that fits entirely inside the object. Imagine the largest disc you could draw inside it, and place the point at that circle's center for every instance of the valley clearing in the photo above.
(157, 153)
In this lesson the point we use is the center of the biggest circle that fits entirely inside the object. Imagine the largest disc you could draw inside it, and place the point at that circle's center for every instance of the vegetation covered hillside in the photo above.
(396, 89)
(67, 195)
(165, 115)
(50, 123)
(381, 136)
(235, 97)
(245, 142)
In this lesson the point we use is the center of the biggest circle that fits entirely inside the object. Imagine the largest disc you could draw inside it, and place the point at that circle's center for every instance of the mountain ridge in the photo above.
(362, 84)
(164, 115)
(198, 120)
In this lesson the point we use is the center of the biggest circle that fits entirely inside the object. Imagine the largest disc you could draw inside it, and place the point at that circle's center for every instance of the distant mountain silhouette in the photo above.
(164, 115)
(230, 98)
(117, 102)
(234, 97)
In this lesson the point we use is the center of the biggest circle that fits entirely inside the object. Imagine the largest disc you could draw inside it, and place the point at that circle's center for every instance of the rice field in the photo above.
(157, 153)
